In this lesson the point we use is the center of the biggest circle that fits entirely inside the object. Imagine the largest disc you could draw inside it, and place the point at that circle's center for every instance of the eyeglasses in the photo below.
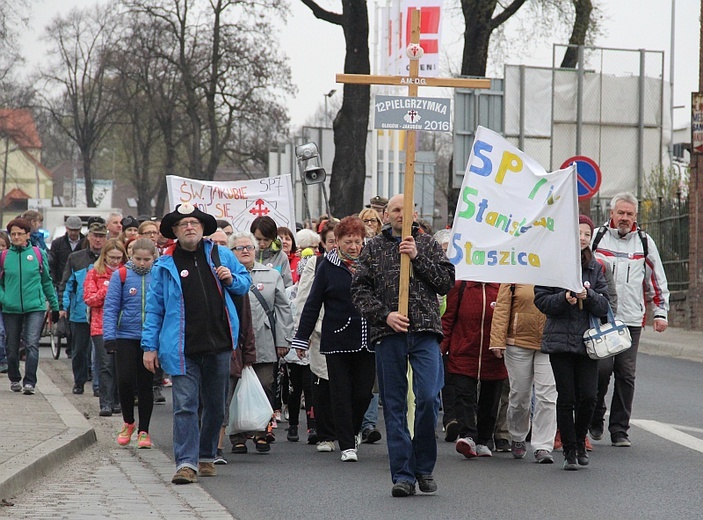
(191, 223)
(242, 248)
(371, 221)
(114, 258)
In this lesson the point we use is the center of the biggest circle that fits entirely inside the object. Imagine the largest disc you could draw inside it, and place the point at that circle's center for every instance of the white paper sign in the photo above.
(515, 223)
(238, 202)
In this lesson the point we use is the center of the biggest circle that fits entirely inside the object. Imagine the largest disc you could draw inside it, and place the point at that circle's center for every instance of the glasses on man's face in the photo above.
(370, 221)
(184, 224)
(243, 248)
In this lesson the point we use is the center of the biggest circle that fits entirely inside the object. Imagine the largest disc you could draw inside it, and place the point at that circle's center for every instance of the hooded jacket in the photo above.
(273, 257)
(124, 311)
(164, 327)
(95, 289)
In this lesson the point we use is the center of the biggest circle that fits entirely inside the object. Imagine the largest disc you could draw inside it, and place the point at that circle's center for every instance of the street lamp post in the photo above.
(327, 96)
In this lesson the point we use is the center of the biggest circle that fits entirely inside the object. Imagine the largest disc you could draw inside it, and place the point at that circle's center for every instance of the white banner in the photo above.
(396, 37)
(514, 222)
(238, 202)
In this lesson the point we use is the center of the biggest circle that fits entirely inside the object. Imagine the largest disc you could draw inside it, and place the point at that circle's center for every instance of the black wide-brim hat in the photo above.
(187, 210)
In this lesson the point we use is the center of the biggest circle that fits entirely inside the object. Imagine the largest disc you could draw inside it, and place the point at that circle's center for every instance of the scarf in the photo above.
(141, 271)
(351, 262)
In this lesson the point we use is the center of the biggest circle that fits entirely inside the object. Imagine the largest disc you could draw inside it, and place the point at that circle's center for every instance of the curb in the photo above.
(26, 467)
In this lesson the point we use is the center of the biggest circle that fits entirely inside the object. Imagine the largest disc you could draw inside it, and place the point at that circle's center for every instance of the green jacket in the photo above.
(23, 286)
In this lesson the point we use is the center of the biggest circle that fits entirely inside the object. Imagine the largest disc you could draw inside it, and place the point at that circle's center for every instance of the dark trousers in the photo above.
(623, 366)
(475, 409)
(300, 378)
(106, 361)
(448, 397)
(576, 377)
(322, 409)
(352, 376)
(132, 374)
(80, 352)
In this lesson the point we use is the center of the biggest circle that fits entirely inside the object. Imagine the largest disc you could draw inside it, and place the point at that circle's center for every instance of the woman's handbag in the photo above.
(608, 339)
(250, 409)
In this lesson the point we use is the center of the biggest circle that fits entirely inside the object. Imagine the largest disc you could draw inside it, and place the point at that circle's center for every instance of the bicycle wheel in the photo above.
(55, 342)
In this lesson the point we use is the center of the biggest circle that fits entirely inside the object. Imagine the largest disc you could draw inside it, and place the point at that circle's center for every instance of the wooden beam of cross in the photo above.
(413, 81)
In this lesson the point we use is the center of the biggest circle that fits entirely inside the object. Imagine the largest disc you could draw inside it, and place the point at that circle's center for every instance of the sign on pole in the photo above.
(588, 175)
(696, 122)
(408, 113)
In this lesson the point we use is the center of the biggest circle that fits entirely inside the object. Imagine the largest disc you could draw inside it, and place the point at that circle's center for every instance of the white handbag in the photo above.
(608, 339)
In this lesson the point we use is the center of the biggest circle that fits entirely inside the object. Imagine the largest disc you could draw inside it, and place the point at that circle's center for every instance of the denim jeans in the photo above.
(371, 415)
(27, 326)
(80, 352)
(417, 456)
(205, 381)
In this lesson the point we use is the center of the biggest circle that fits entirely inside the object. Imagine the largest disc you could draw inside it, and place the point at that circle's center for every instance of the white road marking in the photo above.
(671, 433)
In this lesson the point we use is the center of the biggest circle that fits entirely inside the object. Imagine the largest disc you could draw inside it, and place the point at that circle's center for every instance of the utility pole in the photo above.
(695, 258)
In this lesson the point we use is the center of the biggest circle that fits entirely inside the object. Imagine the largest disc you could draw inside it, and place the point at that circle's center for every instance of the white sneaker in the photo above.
(28, 390)
(483, 451)
(325, 446)
(349, 456)
(357, 441)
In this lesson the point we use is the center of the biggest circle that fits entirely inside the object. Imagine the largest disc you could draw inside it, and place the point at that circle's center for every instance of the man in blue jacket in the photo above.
(190, 330)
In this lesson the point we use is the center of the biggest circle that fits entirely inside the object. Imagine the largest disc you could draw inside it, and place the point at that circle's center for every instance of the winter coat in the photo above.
(58, 255)
(71, 288)
(124, 310)
(343, 328)
(95, 288)
(639, 282)
(566, 323)
(273, 257)
(164, 327)
(24, 286)
(516, 320)
(270, 284)
(376, 283)
(467, 331)
(318, 364)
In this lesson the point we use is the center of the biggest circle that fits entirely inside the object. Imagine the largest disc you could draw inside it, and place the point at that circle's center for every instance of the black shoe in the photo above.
(220, 459)
(240, 448)
(312, 436)
(96, 393)
(426, 483)
(620, 440)
(596, 431)
(117, 409)
(105, 411)
(77, 389)
(570, 463)
(451, 431)
(502, 446)
(403, 489)
(293, 434)
(158, 396)
(581, 453)
(262, 446)
(370, 435)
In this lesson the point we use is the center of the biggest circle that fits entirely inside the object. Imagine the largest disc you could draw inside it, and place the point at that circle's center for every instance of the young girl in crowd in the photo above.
(122, 329)
(95, 287)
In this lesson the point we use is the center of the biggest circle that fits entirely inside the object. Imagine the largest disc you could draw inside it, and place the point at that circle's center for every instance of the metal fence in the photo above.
(667, 222)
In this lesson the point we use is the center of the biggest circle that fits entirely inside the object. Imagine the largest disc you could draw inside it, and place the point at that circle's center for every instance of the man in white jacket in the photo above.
(633, 258)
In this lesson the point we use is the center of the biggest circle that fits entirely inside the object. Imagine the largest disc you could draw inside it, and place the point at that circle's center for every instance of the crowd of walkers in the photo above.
(315, 314)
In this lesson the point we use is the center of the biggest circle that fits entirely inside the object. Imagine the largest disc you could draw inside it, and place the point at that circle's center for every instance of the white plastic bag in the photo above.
(250, 409)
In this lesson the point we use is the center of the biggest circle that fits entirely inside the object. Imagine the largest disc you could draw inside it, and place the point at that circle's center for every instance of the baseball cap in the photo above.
(74, 222)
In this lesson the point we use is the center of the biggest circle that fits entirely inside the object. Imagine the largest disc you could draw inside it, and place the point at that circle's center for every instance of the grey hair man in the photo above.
(632, 257)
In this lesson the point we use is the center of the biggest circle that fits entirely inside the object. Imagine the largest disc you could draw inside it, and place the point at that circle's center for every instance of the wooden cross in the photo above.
(413, 82)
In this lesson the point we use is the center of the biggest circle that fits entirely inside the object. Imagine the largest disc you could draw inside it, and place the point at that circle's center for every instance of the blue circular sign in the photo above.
(588, 175)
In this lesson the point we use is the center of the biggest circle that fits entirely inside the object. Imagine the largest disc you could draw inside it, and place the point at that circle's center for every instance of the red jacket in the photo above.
(94, 292)
(467, 331)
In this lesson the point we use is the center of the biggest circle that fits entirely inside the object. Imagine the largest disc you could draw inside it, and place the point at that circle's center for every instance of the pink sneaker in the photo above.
(143, 441)
(125, 435)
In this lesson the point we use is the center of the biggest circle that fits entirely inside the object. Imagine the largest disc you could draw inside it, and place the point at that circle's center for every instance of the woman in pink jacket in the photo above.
(112, 256)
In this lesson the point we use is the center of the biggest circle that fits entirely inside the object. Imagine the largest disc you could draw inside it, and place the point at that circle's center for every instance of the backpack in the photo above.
(37, 253)
(603, 230)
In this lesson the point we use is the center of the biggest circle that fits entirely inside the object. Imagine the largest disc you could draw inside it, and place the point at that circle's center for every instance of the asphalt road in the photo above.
(660, 477)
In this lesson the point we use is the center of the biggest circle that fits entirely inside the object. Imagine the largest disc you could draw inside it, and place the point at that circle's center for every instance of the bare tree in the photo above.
(76, 86)
(351, 122)
(582, 22)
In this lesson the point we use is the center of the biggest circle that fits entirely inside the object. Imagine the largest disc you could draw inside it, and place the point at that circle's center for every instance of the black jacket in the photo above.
(58, 255)
(377, 280)
(343, 328)
(566, 323)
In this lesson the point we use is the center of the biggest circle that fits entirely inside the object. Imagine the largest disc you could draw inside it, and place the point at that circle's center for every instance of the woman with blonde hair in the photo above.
(95, 286)
(372, 222)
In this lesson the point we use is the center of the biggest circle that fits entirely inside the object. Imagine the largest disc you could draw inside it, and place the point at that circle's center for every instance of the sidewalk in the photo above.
(55, 463)
(43, 432)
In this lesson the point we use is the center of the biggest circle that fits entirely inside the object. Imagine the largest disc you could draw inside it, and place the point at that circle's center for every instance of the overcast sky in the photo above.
(316, 48)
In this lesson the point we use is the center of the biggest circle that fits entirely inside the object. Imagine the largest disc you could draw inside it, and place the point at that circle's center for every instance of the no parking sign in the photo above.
(588, 175)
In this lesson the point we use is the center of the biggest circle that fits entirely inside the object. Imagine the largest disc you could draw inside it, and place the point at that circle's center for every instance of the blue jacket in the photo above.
(124, 312)
(164, 328)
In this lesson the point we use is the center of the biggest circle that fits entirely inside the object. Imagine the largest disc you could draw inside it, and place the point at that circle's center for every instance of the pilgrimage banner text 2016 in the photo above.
(514, 222)
(238, 202)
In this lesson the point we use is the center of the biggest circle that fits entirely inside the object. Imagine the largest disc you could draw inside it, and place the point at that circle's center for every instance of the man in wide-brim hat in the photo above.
(190, 330)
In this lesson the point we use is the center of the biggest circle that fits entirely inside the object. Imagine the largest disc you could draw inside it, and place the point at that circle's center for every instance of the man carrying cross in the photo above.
(398, 339)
